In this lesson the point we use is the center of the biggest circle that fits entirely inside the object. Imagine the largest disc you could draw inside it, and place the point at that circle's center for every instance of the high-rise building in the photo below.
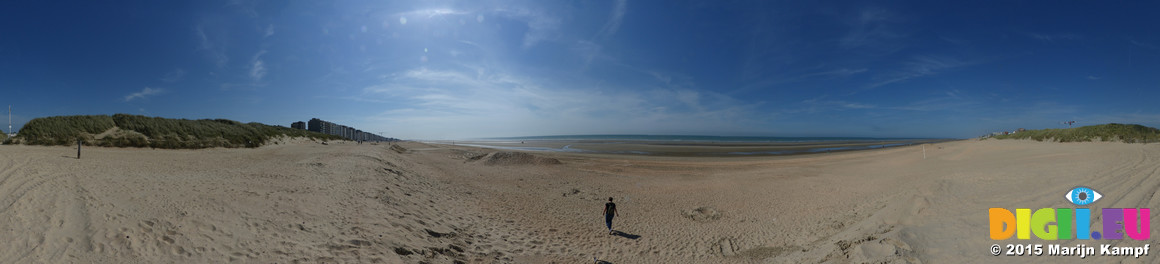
(298, 125)
(349, 133)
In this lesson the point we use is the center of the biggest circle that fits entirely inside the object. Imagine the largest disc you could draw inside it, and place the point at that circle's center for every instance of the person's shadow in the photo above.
(625, 235)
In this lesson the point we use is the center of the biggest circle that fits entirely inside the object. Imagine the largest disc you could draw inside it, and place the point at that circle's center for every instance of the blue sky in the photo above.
(465, 69)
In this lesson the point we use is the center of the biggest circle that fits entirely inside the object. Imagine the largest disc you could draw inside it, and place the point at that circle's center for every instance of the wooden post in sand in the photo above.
(923, 151)
(78, 148)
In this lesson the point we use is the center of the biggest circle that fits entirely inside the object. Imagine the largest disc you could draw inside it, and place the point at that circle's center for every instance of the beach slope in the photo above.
(306, 202)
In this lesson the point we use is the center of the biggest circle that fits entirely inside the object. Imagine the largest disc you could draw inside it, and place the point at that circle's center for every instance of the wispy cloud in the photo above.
(818, 105)
(952, 101)
(1143, 44)
(774, 80)
(257, 67)
(949, 100)
(173, 76)
(430, 13)
(248, 7)
(507, 104)
(269, 31)
(592, 49)
(919, 67)
(142, 94)
(541, 25)
(1053, 37)
(843, 72)
(665, 78)
(615, 17)
(871, 27)
(210, 46)
(1093, 77)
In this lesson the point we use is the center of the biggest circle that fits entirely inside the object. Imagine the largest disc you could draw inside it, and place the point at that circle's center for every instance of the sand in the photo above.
(698, 149)
(301, 201)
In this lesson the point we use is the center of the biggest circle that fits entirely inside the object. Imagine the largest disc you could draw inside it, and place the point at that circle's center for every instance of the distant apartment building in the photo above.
(319, 126)
(350, 133)
(298, 125)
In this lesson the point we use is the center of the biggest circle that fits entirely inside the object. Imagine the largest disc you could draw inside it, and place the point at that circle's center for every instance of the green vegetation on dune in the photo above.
(122, 130)
(1128, 133)
(60, 130)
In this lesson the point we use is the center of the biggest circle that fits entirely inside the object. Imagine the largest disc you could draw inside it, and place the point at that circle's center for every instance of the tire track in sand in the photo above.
(41, 213)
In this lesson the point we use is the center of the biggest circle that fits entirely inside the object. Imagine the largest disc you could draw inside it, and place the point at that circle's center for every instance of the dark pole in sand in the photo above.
(78, 148)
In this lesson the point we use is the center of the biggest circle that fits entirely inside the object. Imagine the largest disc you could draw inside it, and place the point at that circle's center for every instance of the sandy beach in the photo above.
(689, 148)
(303, 202)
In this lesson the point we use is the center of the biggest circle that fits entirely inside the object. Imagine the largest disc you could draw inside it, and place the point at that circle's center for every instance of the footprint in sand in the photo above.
(703, 214)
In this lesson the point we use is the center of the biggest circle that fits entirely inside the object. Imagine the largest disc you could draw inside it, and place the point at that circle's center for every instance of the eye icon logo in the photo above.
(1082, 196)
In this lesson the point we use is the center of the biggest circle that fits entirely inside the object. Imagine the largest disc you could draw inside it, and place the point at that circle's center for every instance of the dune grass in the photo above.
(1128, 133)
(123, 130)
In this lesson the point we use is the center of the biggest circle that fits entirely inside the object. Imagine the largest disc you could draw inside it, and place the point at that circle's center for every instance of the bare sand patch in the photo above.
(517, 158)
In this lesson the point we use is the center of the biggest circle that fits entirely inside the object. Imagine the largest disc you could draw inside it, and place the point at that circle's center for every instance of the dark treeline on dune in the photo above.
(124, 130)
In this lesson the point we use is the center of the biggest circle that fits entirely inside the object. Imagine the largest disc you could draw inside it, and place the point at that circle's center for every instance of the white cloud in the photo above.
(142, 94)
(430, 13)
(205, 43)
(269, 31)
(257, 67)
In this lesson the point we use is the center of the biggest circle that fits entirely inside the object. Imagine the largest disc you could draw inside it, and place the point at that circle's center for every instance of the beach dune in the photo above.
(306, 202)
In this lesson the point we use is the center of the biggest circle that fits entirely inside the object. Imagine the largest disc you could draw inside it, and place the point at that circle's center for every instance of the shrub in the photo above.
(1128, 133)
(156, 132)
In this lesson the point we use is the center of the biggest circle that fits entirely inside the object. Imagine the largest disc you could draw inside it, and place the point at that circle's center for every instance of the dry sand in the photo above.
(689, 148)
(300, 201)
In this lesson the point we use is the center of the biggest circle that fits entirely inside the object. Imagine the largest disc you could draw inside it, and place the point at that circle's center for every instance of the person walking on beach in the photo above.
(609, 212)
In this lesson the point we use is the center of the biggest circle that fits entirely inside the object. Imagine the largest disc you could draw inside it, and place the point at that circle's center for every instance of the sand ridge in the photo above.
(301, 201)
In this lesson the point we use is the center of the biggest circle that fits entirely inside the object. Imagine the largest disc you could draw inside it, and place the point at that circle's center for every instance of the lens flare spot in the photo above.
(479, 18)
(402, 20)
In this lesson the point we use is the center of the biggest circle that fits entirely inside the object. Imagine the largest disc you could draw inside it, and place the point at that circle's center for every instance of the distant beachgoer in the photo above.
(609, 212)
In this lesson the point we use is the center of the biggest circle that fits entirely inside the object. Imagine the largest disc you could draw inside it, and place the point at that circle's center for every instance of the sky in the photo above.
(500, 68)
